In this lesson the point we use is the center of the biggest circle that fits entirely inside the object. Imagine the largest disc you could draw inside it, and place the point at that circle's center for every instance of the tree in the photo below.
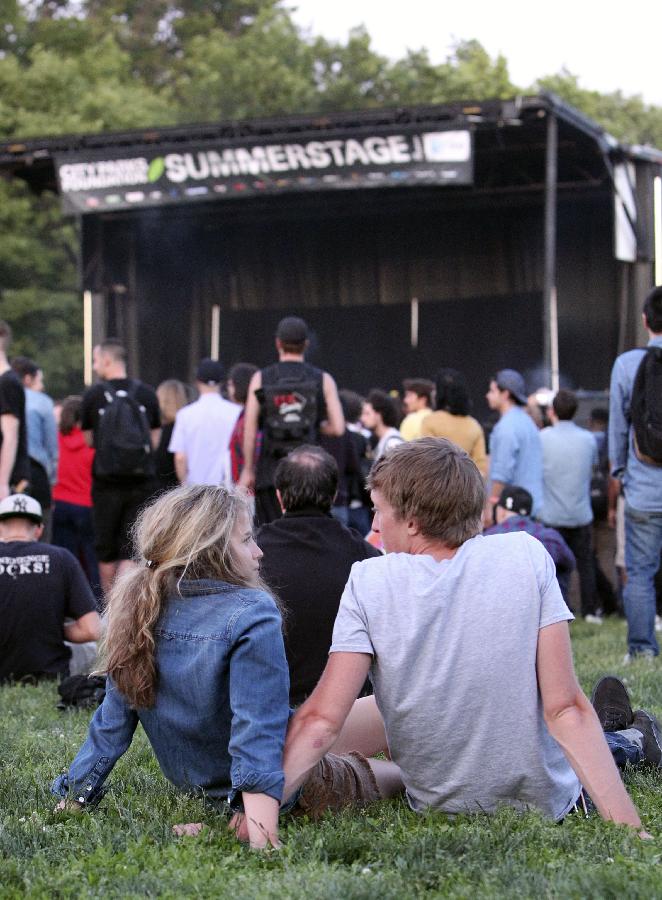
(627, 118)
(71, 66)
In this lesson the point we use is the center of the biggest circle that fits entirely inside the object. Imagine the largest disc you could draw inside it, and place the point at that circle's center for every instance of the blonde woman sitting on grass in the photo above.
(194, 652)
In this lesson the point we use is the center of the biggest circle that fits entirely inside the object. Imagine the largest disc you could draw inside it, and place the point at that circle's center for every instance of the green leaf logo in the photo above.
(156, 169)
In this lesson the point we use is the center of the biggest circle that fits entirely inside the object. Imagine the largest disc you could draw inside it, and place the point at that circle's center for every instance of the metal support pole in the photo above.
(88, 339)
(414, 323)
(215, 332)
(550, 324)
(657, 228)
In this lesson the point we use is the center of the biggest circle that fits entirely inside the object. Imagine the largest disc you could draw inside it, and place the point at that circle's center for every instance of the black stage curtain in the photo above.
(477, 274)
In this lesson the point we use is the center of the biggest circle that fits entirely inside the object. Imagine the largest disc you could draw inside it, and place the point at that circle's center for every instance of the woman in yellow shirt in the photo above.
(452, 419)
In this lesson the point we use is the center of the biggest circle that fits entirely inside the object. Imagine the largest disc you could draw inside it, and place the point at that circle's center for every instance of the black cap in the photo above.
(292, 330)
(210, 372)
(516, 499)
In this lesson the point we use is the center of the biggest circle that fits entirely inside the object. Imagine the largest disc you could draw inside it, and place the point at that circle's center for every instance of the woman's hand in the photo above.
(188, 829)
(239, 825)
(66, 805)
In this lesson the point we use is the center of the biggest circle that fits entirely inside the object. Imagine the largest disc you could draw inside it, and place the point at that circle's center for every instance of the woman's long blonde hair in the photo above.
(185, 533)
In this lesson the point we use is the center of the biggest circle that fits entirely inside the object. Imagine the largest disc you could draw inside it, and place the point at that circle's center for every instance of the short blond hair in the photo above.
(435, 483)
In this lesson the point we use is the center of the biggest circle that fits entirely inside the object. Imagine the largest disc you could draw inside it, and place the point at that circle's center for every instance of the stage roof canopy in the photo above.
(474, 149)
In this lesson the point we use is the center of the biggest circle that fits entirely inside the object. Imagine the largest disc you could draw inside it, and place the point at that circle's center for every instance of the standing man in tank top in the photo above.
(292, 402)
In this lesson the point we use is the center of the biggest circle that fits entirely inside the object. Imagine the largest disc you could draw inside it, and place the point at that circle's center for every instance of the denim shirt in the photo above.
(569, 454)
(642, 482)
(516, 454)
(218, 724)
(42, 430)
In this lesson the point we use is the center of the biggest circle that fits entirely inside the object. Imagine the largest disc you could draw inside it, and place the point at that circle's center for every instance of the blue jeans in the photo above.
(73, 530)
(626, 746)
(359, 517)
(643, 545)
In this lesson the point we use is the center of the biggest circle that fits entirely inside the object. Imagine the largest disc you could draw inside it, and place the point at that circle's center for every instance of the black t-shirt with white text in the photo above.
(94, 399)
(12, 402)
(40, 586)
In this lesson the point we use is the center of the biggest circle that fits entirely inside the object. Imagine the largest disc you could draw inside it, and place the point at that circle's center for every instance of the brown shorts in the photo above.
(337, 782)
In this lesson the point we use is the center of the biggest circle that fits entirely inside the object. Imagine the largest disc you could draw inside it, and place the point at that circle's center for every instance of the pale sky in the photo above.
(609, 46)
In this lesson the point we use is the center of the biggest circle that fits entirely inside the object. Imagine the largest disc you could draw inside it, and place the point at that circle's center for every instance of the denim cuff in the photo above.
(269, 783)
(87, 792)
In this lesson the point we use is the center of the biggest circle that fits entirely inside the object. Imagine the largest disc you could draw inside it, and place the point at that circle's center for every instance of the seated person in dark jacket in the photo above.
(512, 512)
(307, 558)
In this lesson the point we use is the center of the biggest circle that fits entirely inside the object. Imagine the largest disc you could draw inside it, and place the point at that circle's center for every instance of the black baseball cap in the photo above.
(210, 372)
(516, 499)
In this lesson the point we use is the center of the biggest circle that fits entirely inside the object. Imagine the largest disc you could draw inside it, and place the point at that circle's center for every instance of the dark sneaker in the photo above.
(648, 725)
(611, 702)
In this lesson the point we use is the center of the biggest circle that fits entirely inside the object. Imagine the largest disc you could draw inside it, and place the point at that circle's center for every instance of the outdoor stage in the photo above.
(468, 235)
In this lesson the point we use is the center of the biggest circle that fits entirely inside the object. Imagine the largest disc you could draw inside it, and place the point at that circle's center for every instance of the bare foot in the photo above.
(189, 829)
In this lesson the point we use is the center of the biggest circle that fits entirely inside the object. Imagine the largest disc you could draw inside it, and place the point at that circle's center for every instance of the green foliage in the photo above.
(38, 276)
(468, 74)
(69, 66)
(627, 118)
(126, 848)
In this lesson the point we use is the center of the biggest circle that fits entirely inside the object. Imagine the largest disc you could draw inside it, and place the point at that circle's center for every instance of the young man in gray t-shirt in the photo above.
(467, 643)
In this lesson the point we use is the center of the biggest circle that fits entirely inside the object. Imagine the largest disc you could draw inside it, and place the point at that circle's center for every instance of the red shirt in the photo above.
(74, 469)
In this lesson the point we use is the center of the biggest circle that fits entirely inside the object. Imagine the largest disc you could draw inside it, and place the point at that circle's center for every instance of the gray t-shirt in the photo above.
(454, 670)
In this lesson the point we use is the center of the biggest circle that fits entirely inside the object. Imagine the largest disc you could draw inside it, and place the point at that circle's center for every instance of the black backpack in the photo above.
(82, 691)
(646, 407)
(289, 410)
(123, 444)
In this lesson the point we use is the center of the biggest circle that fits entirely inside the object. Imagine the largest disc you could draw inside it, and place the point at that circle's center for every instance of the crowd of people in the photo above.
(421, 562)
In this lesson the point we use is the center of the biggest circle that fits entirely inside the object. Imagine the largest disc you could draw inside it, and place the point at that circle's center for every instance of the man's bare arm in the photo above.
(89, 437)
(155, 437)
(9, 426)
(334, 424)
(181, 467)
(87, 628)
(317, 724)
(572, 722)
(251, 420)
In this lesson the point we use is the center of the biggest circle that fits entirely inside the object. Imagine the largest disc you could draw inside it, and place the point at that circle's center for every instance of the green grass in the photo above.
(125, 848)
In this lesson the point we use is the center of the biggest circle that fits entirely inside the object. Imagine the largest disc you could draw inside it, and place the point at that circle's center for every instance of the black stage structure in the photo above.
(473, 235)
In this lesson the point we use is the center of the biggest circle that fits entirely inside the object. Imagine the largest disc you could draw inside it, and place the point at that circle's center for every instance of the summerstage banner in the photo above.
(158, 175)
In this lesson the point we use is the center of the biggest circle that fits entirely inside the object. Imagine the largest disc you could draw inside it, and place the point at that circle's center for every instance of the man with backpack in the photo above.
(121, 420)
(635, 452)
(292, 402)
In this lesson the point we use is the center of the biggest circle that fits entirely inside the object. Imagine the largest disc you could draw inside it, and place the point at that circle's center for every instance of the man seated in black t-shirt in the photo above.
(41, 586)
(307, 558)
(14, 462)
(117, 495)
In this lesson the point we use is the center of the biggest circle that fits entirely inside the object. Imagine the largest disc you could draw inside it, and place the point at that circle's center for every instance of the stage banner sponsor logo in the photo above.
(163, 175)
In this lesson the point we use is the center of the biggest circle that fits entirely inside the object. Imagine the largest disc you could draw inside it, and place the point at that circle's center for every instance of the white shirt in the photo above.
(202, 432)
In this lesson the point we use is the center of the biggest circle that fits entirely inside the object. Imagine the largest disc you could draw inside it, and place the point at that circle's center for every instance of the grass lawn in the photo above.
(126, 848)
